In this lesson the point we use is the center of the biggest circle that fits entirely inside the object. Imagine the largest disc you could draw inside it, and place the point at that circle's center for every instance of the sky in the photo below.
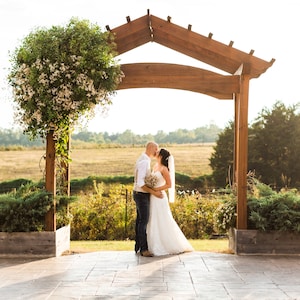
(271, 28)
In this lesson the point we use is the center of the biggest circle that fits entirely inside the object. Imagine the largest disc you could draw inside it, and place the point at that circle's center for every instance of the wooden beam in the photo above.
(173, 76)
(205, 49)
(50, 218)
(132, 35)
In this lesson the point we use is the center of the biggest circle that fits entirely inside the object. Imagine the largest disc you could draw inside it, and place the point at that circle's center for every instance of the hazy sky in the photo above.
(271, 28)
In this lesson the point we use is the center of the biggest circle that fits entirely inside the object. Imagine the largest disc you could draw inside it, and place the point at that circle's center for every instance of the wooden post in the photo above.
(235, 138)
(66, 170)
(68, 173)
(242, 152)
(50, 219)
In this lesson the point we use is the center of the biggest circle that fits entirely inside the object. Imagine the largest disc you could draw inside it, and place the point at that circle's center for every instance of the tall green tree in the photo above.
(274, 146)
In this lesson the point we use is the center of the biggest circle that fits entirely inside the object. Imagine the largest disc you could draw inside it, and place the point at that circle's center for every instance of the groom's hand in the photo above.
(158, 194)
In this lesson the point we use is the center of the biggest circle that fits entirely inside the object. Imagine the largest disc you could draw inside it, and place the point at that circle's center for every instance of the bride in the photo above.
(163, 233)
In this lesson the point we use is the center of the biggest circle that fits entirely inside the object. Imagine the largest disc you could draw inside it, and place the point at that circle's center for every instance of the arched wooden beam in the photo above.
(185, 41)
(173, 76)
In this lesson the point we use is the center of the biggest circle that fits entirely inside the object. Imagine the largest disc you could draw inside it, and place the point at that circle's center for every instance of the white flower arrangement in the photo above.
(151, 180)
(58, 77)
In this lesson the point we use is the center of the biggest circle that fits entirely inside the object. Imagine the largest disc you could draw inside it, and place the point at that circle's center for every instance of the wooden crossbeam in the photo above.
(173, 76)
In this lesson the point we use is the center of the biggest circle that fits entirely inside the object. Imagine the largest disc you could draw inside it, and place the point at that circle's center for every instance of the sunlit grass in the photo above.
(215, 245)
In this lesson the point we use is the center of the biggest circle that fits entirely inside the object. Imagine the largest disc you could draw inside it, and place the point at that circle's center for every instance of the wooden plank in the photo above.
(160, 75)
(255, 242)
(45, 243)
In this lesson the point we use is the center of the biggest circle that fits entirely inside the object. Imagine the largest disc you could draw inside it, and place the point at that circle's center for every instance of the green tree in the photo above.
(221, 160)
(274, 146)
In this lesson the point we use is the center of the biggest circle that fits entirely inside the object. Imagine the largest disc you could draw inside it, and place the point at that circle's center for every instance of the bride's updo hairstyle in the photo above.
(164, 154)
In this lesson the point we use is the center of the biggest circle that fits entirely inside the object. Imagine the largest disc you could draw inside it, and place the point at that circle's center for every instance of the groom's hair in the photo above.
(164, 153)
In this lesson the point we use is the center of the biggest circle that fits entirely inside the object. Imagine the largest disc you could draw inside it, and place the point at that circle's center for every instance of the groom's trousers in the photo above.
(142, 201)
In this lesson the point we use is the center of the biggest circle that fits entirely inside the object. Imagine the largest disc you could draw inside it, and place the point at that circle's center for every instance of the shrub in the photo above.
(267, 210)
(25, 209)
(108, 213)
(103, 214)
(11, 185)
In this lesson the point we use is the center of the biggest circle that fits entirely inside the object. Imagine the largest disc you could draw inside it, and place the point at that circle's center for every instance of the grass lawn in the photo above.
(215, 245)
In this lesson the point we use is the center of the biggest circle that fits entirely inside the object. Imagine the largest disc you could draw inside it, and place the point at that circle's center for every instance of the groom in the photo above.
(141, 196)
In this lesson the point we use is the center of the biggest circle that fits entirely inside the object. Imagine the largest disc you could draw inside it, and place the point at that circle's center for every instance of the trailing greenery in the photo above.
(24, 210)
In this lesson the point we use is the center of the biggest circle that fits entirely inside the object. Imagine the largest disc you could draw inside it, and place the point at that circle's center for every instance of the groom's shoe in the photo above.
(146, 253)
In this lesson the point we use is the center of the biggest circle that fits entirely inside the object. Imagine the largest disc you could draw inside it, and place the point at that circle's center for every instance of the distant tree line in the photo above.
(205, 134)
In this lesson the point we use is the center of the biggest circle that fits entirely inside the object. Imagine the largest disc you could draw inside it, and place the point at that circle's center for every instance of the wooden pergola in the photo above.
(240, 66)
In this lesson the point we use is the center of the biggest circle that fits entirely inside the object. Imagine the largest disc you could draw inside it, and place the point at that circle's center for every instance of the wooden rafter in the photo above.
(151, 28)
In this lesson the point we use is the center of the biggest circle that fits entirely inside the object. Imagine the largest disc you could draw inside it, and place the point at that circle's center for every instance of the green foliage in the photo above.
(58, 76)
(225, 214)
(24, 210)
(221, 160)
(274, 147)
(104, 214)
(201, 183)
(108, 213)
(267, 210)
(88, 184)
(280, 211)
(195, 214)
(8, 186)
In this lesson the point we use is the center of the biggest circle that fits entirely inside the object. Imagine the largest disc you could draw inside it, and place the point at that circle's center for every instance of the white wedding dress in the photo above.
(164, 236)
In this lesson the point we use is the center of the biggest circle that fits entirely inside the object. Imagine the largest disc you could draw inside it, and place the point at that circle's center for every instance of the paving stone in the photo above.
(125, 275)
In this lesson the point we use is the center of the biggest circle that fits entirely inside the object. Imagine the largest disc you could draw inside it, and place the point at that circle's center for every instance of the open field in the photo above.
(192, 160)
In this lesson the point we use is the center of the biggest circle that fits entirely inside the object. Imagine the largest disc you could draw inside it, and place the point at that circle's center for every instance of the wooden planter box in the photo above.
(35, 244)
(263, 242)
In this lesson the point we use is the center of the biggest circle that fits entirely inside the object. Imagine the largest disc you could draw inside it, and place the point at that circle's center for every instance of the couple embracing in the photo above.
(157, 233)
